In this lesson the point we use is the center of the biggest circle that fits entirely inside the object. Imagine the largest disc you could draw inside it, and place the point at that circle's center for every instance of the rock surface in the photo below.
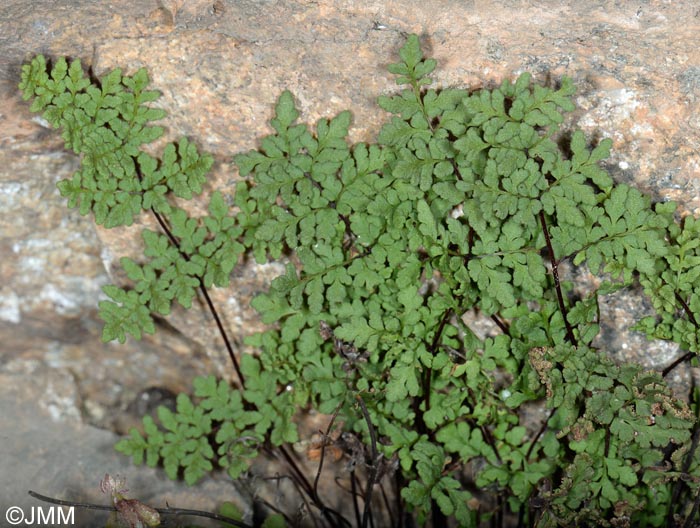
(220, 66)
(57, 455)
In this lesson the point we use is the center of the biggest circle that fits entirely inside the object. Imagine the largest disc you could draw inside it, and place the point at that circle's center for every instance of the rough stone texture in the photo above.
(220, 66)
(53, 453)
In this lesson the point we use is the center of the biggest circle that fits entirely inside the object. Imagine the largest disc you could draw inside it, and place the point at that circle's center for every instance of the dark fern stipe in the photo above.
(466, 204)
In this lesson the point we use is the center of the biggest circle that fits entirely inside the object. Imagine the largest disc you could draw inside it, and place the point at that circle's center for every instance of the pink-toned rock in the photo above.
(220, 66)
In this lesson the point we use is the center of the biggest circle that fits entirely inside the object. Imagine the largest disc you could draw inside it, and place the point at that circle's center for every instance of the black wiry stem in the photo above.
(296, 484)
(375, 460)
(690, 455)
(386, 504)
(542, 429)
(688, 355)
(501, 324)
(208, 300)
(399, 482)
(685, 357)
(428, 376)
(299, 476)
(161, 511)
(271, 506)
(222, 331)
(557, 285)
(333, 516)
(685, 306)
(353, 491)
(323, 451)
(696, 504)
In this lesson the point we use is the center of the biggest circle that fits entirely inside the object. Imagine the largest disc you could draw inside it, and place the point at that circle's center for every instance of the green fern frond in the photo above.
(468, 206)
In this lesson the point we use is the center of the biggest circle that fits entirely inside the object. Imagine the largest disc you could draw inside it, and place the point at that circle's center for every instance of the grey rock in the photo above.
(45, 447)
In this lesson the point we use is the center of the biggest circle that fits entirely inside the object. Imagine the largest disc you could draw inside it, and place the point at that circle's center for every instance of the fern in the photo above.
(466, 204)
